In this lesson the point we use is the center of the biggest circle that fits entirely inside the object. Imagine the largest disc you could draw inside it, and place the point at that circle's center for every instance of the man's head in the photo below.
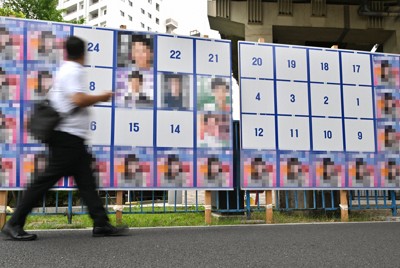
(135, 81)
(220, 89)
(75, 48)
(142, 51)
(174, 84)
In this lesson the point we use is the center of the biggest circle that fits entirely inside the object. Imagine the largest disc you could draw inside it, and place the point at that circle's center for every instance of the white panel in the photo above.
(258, 132)
(326, 100)
(324, 66)
(293, 133)
(100, 126)
(175, 54)
(99, 46)
(99, 80)
(291, 63)
(256, 61)
(356, 69)
(213, 58)
(358, 102)
(174, 129)
(257, 96)
(292, 98)
(327, 134)
(360, 135)
(133, 127)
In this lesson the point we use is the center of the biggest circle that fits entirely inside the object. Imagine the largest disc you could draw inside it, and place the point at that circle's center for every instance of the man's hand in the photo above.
(106, 96)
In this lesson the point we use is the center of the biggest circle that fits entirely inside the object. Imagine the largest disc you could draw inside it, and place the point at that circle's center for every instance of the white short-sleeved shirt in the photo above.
(70, 80)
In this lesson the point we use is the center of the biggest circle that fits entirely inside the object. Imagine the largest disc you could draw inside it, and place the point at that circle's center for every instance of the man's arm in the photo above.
(84, 100)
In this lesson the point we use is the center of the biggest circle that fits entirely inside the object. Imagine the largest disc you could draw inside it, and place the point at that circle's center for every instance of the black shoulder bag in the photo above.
(44, 119)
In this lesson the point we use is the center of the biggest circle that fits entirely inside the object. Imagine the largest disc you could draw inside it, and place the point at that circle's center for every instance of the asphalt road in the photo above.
(297, 245)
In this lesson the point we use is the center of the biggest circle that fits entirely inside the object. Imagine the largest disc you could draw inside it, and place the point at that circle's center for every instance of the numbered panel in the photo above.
(291, 63)
(174, 129)
(213, 58)
(175, 54)
(360, 135)
(358, 102)
(99, 80)
(100, 46)
(257, 96)
(326, 100)
(100, 126)
(356, 69)
(324, 66)
(258, 132)
(292, 98)
(327, 134)
(294, 133)
(256, 61)
(133, 128)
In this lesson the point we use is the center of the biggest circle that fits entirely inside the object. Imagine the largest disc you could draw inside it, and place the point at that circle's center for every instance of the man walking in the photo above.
(68, 154)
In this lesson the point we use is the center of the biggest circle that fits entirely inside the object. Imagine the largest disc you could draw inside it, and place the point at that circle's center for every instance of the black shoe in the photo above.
(109, 230)
(17, 233)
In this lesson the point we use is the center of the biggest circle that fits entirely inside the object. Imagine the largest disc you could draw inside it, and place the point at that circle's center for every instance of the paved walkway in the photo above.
(297, 245)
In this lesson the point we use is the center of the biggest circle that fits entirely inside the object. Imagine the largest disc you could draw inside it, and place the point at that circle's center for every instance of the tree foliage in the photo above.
(7, 12)
(36, 9)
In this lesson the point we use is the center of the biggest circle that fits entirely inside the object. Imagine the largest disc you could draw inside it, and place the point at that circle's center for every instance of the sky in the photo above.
(190, 15)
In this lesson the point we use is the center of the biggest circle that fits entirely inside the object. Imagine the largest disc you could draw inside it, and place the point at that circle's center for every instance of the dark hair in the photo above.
(145, 39)
(129, 159)
(136, 74)
(75, 48)
(215, 82)
(172, 158)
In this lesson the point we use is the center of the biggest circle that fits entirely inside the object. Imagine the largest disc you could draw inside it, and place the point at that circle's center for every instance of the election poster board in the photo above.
(168, 126)
(317, 118)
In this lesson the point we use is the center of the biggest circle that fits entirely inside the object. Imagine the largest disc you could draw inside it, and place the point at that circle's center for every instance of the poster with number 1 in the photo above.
(315, 118)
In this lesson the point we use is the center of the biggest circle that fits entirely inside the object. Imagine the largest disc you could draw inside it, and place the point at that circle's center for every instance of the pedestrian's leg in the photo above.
(86, 183)
(34, 193)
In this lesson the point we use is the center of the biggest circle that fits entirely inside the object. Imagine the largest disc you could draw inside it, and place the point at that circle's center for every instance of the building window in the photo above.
(150, 1)
(142, 10)
(130, 3)
(122, 13)
(148, 29)
(149, 15)
(105, 12)
(130, 18)
(157, 7)
(142, 24)
(157, 21)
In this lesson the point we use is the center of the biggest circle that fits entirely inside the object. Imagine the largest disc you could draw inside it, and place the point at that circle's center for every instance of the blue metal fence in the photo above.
(232, 202)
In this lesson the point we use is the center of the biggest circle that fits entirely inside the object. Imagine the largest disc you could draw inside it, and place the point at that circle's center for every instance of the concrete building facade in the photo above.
(138, 15)
(350, 24)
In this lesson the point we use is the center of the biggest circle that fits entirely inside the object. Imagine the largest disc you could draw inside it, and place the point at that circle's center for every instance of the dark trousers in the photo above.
(68, 157)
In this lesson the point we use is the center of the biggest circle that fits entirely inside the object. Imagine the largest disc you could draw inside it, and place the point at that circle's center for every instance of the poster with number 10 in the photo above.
(168, 125)
(315, 118)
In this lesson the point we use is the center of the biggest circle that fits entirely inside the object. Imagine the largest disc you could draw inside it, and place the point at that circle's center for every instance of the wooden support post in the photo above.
(268, 207)
(119, 207)
(208, 207)
(344, 208)
(3, 208)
